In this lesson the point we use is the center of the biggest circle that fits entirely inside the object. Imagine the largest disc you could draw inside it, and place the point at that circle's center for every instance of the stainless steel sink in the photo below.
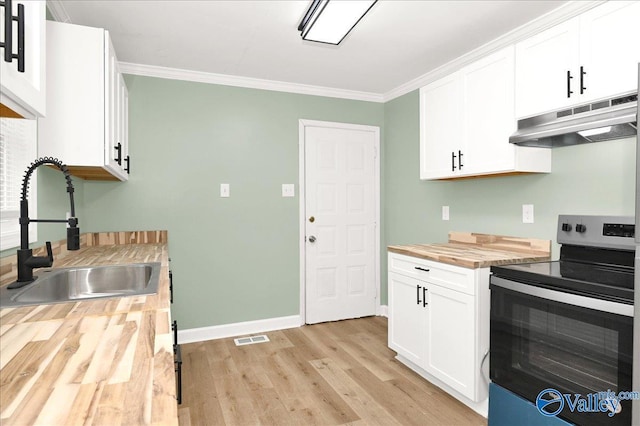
(81, 283)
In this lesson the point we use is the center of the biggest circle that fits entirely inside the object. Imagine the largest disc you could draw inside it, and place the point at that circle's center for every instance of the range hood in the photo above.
(608, 119)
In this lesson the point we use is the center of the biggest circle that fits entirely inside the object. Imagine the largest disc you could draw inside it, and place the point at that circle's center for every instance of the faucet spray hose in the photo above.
(55, 162)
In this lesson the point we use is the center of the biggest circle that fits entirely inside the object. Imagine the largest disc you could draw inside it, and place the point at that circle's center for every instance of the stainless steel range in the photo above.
(562, 331)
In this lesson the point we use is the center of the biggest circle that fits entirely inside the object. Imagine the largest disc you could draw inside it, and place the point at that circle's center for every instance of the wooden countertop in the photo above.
(107, 361)
(471, 250)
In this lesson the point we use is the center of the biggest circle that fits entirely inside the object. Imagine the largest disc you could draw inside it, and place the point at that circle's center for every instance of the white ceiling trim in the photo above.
(247, 82)
(555, 17)
(57, 10)
(561, 14)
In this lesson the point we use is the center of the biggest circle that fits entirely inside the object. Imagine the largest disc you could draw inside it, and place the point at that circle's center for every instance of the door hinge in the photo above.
(375, 152)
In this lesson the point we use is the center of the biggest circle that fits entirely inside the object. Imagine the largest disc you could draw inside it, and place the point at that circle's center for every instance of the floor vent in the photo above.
(250, 340)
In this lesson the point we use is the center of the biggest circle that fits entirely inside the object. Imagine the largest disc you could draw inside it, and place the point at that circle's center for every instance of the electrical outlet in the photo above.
(225, 191)
(445, 212)
(288, 190)
(527, 213)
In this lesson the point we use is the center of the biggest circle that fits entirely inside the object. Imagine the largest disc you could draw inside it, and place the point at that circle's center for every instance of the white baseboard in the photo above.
(383, 311)
(249, 327)
(237, 329)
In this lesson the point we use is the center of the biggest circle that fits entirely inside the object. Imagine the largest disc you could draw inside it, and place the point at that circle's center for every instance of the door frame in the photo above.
(302, 125)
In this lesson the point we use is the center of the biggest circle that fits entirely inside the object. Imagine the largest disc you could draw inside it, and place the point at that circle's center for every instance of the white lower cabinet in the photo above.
(450, 338)
(439, 324)
(408, 324)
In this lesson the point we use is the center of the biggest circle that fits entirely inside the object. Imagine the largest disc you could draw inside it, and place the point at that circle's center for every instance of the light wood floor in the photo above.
(325, 374)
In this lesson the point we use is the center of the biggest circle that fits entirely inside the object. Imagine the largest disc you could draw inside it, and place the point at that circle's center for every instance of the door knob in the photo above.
(312, 239)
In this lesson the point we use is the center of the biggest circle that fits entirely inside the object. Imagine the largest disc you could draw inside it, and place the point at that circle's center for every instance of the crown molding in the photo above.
(57, 10)
(555, 17)
(247, 82)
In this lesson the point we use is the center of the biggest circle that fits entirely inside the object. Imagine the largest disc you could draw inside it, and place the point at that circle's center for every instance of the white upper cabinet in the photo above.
(466, 119)
(86, 127)
(24, 91)
(589, 57)
(610, 48)
(546, 70)
(440, 138)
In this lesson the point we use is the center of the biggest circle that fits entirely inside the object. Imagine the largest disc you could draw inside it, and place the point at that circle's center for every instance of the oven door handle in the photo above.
(562, 297)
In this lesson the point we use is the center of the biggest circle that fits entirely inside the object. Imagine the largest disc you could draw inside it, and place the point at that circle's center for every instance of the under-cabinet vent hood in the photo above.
(604, 120)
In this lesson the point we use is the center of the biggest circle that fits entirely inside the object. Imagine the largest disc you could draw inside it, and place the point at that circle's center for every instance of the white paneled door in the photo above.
(340, 210)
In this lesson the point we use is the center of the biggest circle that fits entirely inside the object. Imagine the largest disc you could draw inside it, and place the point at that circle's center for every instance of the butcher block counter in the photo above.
(103, 361)
(471, 250)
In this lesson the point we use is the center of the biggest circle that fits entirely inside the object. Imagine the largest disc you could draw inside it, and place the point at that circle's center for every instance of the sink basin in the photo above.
(81, 283)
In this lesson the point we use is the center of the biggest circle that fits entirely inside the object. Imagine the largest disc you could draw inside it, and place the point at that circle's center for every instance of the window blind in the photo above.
(18, 148)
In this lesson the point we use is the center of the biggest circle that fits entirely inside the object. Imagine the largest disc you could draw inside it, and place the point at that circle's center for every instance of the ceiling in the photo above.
(396, 42)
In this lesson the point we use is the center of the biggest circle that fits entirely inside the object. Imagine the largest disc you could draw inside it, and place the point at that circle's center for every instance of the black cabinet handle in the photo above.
(20, 20)
(174, 328)
(418, 293)
(178, 368)
(582, 74)
(8, 31)
(569, 78)
(460, 160)
(421, 269)
(453, 161)
(9, 56)
(118, 158)
(424, 297)
(171, 286)
(126, 168)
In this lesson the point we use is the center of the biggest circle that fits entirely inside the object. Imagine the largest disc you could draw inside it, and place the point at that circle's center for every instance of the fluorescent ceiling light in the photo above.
(329, 21)
(598, 131)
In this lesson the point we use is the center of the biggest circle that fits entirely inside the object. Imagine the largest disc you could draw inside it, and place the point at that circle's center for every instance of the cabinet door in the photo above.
(24, 92)
(451, 341)
(407, 317)
(610, 48)
(542, 62)
(123, 122)
(74, 129)
(489, 115)
(113, 148)
(440, 115)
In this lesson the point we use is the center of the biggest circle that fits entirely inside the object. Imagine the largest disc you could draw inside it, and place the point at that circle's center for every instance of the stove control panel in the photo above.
(619, 230)
(616, 232)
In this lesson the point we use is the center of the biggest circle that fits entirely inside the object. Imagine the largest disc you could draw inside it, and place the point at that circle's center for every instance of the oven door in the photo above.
(544, 339)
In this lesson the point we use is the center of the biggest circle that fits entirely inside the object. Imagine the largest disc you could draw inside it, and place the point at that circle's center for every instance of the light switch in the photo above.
(527, 213)
(225, 190)
(445, 212)
(288, 190)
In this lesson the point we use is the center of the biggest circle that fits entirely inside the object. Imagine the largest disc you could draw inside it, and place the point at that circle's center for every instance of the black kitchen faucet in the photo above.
(27, 262)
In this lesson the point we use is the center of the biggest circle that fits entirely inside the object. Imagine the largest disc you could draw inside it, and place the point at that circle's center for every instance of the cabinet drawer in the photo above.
(448, 276)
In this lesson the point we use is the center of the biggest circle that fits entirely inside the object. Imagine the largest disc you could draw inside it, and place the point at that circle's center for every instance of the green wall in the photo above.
(234, 259)
(586, 179)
